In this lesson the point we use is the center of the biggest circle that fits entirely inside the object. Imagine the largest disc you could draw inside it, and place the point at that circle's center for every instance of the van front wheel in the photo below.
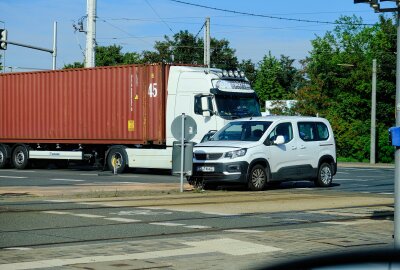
(257, 178)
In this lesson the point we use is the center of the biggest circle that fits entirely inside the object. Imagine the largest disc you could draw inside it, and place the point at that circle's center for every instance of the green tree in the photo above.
(338, 85)
(183, 47)
(74, 65)
(276, 78)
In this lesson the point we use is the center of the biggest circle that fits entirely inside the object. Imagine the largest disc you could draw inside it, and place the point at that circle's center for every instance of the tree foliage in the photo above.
(276, 79)
(339, 70)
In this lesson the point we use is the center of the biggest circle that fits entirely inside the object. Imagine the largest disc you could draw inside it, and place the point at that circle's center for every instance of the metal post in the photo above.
(4, 52)
(373, 114)
(54, 54)
(207, 43)
(182, 149)
(397, 153)
(90, 34)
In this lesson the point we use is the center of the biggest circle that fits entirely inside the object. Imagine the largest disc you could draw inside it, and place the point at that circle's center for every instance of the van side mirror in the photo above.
(279, 140)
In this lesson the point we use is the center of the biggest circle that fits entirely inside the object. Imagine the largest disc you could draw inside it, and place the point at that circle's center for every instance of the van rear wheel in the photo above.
(257, 178)
(325, 175)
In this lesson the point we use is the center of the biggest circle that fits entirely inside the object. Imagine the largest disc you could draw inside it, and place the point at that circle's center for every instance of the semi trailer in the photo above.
(117, 116)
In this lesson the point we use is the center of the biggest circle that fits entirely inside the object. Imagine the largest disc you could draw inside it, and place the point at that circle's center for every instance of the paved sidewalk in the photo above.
(204, 252)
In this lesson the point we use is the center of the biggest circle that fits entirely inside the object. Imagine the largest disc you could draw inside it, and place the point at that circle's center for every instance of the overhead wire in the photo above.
(268, 16)
(155, 12)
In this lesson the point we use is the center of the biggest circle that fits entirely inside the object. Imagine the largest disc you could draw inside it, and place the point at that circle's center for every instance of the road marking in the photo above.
(197, 227)
(347, 223)
(12, 177)
(87, 215)
(18, 171)
(123, 219)
(67, 180)
(169, 224)
(223, 245)
(142, 212)
(57, 212)
(386, 193)
(243, 231)
(73, 214)
(57, 201)
(18, 248)
(89, 174)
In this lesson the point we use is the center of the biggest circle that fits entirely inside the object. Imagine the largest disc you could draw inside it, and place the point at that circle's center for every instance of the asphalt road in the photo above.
(365, 180)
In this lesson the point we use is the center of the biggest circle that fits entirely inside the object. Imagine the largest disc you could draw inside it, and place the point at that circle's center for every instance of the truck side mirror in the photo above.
(204, 107)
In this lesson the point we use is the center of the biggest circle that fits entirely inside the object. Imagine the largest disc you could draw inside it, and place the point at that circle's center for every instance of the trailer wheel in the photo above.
(117, 157)
(20, 158)
(3, 157)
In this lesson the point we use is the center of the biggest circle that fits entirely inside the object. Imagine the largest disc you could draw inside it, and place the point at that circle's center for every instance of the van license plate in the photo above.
(205, 169)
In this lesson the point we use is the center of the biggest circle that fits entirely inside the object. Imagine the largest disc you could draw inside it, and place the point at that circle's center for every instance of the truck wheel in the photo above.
(324, 177)
(3, 157)
(20, 157)
(117, 158)
(258, 178)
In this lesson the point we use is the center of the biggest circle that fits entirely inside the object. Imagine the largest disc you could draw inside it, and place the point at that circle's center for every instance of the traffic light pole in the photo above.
(52, 51)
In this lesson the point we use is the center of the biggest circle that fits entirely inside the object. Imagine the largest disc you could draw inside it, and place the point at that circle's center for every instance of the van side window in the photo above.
(313, 131)
(323, 133)
(283, 129)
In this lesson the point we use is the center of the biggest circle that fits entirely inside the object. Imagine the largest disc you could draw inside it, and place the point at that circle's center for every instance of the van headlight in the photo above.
(236, 153)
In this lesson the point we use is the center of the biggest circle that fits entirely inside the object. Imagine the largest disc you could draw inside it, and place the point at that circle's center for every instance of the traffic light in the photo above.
(3, 38)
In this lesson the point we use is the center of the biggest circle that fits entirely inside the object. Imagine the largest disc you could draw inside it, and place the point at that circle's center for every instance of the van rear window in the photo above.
(313, 131)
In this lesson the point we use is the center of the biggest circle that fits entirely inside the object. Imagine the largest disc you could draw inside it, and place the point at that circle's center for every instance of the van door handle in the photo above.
(294, 147)
(302, 147)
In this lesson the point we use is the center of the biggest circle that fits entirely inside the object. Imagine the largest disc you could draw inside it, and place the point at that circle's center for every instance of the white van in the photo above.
(260, 150)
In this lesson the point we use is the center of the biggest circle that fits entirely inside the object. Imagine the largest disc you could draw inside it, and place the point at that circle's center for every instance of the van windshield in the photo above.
(242, 131)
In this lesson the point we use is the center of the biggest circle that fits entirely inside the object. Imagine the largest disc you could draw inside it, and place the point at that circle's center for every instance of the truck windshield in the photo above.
(237, 106)
(242, 131)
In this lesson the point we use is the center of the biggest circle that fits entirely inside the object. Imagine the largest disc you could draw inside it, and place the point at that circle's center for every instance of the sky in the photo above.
(137, 24)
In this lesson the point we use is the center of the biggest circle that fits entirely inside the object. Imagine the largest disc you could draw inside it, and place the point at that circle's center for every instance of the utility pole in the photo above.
(90, 34)
(207, 41)
(373, 114)
(54, 53)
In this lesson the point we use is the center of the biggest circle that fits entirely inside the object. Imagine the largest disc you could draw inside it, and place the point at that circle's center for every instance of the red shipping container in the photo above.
(104, 105)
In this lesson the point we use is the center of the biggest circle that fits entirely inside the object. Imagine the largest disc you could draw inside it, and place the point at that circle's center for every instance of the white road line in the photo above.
(18, 248)
(57, 201)
(73, 214)
(128, 176)
(197, 227)
(170, 224)
(12, 177)
(347, 223)
(386, 193)
(57, 212)
(243, 231)
(67, 180)
(224, 245)
(18, 171)
(89, 174)
(123, 219)
(88, 215)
